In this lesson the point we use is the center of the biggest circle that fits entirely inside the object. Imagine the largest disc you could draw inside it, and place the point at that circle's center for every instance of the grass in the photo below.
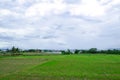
(61, 67)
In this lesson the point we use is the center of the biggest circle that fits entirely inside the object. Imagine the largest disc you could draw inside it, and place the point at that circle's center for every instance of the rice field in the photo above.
(60, 67)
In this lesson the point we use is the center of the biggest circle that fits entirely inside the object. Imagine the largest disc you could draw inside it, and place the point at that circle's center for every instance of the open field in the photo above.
(60, 67)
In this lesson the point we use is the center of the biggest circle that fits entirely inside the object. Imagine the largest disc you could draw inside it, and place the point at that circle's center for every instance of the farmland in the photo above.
(60, 67)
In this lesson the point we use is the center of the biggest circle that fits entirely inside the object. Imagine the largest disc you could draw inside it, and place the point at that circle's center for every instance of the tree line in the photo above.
(90, 51)
(16, 51)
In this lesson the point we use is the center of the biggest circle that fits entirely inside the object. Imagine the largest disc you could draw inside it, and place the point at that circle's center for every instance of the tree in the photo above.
(15, 51)
(68, 52)
(76, 51)
(63, 52)
(92, 50)
(84, 51)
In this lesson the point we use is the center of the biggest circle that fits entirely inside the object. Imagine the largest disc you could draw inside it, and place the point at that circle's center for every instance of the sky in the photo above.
(60, 24)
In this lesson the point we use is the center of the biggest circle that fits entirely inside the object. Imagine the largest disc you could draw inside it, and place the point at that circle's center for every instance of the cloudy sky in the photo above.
(60, 24)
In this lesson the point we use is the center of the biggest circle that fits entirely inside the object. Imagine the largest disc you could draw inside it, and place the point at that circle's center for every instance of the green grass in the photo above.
(61, 67)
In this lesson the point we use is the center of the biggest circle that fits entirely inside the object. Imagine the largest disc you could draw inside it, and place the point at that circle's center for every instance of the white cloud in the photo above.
(4, 44)
(60, 23)
(4, 12)
(44, 9)
(16, 33)
(87, 8)
(115, 2)
(21, 2)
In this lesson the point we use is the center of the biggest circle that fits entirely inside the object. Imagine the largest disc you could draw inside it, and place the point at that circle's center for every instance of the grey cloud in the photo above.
(111, 31)
(6, 38)
(49, 37)
(89, 19)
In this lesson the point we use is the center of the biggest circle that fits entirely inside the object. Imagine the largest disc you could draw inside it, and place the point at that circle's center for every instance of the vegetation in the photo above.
(61, 67)
(91, 51)
(66, 52)
(77, 51)
(92, 64)
(16, 51)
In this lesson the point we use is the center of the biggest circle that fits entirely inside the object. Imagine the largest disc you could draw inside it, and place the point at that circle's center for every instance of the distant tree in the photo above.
(68, 52)
(102, 51)
(63, 52)
(31, 50)
(15, 51)
(113, 51)
(8, 50)
(92, 50)
(76, 51)
(84, 51)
